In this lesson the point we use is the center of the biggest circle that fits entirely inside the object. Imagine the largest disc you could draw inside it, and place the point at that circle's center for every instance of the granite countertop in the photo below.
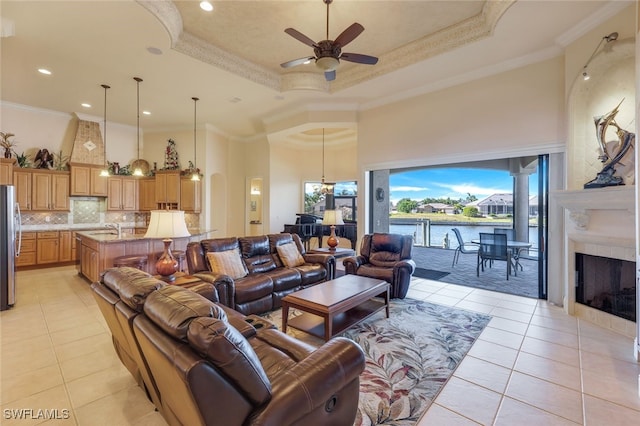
(102, 235)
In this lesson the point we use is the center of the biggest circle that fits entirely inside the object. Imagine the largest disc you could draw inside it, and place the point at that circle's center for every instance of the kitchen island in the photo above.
(98, 249)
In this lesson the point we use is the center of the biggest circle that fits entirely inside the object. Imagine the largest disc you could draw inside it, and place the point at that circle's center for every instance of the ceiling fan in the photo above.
(328, 53)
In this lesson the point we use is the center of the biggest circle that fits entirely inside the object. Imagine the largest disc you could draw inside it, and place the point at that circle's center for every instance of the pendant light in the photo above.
(195, 176)
(325, 188)
(105, 172)
(138, 171)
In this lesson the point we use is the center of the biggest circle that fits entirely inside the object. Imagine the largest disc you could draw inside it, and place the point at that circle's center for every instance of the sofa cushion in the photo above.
(227, 262)
(256, 254)
(172, 308)
(253, 287)
(227, 349)
(132, 285)
(290, 255)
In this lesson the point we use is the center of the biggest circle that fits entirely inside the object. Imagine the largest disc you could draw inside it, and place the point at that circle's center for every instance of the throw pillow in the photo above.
(290, 255)
(227, 262)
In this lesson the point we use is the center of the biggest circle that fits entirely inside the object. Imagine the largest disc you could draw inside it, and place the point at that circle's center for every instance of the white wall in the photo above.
(37, 128)
(486, 118)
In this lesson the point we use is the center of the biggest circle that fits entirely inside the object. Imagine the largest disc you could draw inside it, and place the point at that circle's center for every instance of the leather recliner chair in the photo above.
(387, 257)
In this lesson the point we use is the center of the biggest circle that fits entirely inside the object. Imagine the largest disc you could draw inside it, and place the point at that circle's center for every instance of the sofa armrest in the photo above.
(352, 263)
(326, 260)
(310, 385)
(224, 284)
(407, 265)
(206, 290)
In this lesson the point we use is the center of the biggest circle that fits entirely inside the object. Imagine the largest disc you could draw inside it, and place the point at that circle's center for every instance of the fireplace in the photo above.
(606, 284)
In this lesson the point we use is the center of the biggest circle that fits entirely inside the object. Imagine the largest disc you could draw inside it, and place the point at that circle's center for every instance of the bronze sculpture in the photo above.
(619, 150)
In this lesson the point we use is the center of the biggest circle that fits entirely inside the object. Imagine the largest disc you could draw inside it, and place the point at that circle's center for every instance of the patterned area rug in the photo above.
(409, 357)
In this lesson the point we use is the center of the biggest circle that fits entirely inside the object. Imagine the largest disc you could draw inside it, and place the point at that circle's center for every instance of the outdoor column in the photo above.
(521, 206)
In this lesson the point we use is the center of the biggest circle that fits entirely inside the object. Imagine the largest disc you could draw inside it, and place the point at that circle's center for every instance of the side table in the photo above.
(182, 279)
(338, 253)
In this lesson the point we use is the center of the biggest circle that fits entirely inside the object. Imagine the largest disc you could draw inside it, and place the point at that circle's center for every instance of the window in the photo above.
(344, 198)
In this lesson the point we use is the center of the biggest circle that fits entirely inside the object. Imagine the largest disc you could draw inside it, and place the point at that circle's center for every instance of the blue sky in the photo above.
(452, 182)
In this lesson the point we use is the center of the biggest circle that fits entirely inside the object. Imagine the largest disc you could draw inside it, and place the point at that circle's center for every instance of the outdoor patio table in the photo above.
(516, 247)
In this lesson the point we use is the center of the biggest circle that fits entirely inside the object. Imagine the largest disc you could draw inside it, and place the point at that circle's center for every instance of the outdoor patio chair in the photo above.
(509, 232)
(493, 247)
(464, 248)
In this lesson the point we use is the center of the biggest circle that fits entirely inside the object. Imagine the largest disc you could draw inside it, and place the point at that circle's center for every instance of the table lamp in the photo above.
(167, 224)
(333, 218)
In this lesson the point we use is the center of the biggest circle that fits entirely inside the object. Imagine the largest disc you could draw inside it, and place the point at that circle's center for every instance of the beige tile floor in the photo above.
(532, 365)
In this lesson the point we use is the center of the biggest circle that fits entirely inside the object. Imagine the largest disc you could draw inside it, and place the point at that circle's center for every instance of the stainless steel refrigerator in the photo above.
(10, 242)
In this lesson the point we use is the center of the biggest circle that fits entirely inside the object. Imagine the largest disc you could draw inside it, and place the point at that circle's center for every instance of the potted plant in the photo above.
(7, 144)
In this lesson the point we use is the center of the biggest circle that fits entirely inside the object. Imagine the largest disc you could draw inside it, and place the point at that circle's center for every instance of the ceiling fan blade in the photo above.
(358, 58)
(297, 62)
(330, 75)
(300, 37)
(349, 34)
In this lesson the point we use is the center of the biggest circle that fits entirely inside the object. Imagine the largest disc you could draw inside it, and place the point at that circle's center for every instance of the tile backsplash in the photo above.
(88, 212)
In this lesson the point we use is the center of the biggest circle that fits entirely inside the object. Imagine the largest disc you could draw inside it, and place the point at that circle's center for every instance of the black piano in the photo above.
(308, 226)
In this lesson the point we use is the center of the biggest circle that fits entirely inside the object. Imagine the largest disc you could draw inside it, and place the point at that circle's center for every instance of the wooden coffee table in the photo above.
(333, 306)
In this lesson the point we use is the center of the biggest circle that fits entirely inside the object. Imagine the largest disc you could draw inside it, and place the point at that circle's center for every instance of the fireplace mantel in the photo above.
(581, 202)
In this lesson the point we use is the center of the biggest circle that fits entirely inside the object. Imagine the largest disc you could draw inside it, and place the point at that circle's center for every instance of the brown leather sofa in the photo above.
(267, 279)
(387, 257)
(205, 364)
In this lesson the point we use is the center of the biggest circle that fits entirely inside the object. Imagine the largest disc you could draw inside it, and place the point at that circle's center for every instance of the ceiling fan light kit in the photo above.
(327, 63)
(329, 52)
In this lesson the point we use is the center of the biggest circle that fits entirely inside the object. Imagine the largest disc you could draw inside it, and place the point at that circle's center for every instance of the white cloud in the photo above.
(407, 188)
(463, 188)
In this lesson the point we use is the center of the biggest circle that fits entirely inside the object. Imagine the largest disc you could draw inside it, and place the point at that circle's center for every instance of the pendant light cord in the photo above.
(195, 174)
(104, 143)
(323, 155)
(138, 80)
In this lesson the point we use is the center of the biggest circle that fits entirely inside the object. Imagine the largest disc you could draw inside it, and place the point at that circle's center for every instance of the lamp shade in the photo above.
(167, 224)
(332, 217)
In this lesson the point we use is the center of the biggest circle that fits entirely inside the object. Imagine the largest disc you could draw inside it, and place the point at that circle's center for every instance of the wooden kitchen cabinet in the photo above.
(49, 190)
(168, 190)
(27, 255)
(66, 243)
(22, 182)
(190, 195)
(48, 247)
(6, 171)
(147, 194)
(90, 262)
(122, 193)
(86, 181)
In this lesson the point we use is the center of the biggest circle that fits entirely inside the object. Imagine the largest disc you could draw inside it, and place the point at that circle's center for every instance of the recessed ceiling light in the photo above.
(154, 50)
(206, 6)
(44, 71)
(146, 113)
(86, 105)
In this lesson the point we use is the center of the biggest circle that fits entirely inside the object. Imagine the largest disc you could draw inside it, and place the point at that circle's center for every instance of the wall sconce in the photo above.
(608, 38)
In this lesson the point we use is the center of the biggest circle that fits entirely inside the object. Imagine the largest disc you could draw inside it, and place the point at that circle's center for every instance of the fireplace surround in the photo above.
(601, 222)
